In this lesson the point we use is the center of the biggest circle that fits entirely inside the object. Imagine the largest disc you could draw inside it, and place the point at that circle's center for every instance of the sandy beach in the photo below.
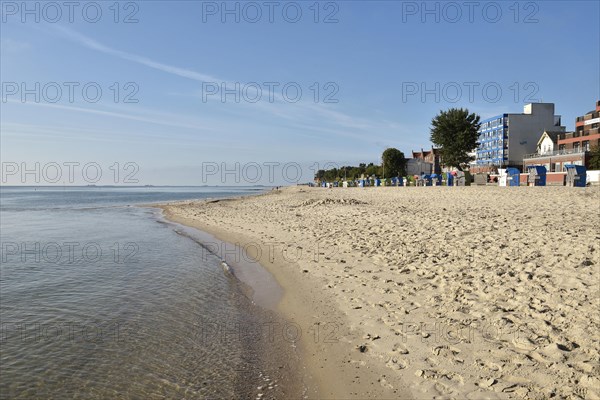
(429, 292)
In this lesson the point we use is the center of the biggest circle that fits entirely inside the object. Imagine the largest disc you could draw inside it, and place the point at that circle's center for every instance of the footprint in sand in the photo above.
(396, 363)
(488, 365)
(440, 374)
(443, 389)
(445, 351)
(400, 348)
(548, 354)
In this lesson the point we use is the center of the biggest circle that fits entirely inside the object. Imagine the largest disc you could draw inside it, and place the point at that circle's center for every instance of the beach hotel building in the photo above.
(505, 139)
(560, 148)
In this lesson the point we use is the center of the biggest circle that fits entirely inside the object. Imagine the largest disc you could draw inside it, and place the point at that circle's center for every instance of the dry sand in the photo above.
(434, 292)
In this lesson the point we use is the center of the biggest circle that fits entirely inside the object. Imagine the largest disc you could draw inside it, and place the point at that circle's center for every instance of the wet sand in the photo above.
(272, 367)
(435, 292)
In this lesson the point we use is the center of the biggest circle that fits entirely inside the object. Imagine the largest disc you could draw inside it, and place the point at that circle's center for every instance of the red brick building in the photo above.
(586, 133)
(432, 156)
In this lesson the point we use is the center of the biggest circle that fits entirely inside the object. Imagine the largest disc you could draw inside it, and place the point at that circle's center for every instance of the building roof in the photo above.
(425, 153)
(553, 135)
(492, 118)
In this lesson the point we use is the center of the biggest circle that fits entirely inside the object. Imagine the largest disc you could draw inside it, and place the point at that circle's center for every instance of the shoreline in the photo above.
(325, 353)
(387, 267)
(275, 354)
(258, 284)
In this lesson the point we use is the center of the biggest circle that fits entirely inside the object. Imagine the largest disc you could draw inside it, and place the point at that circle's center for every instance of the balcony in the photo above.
(554, 153)
(593, 131)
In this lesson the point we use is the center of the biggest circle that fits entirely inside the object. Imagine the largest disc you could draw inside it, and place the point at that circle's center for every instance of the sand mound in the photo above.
(330, 201)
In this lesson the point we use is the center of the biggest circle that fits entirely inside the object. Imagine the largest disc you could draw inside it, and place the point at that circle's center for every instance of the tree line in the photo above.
(393, 164)
(454, 131)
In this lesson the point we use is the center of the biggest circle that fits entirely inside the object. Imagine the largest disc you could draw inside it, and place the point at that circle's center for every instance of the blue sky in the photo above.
(371, 58)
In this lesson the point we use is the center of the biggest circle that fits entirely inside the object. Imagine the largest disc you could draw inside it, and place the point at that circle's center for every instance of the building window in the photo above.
(561, 147)
(585, 145)
(576, 146)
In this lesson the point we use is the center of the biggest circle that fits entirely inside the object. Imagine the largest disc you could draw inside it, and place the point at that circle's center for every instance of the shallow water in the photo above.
(98, 299)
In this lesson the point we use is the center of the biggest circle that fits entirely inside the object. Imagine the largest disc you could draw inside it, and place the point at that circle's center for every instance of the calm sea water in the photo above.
(99, 299)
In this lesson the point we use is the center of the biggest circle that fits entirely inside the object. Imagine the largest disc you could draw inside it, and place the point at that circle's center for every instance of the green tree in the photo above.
(320, 175)
(331, 175)
(595, 157)
(393, 163)
(372, 170)
(345, 172)
(455, 132)
(354, 173)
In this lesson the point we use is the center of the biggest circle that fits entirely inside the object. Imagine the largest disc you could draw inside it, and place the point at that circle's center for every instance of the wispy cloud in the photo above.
(95, 45)
(36, 133)
(128, 116)
(303, 113)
